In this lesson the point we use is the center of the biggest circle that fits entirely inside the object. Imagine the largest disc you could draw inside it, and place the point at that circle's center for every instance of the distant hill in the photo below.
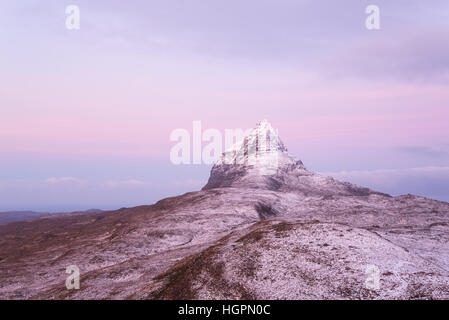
(12, 216)
(15, 216)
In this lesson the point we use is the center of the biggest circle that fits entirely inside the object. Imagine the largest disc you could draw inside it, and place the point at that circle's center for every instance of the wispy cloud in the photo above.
(65, 181)
(421, 151)
(422, 57)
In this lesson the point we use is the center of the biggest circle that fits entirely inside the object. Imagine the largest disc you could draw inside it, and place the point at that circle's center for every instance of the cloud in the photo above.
(421, 151)
(65, 181)
(422, 57)
(426, 181)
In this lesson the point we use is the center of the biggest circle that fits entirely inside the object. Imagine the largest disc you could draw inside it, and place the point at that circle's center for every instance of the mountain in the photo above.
(263, 227)
(271, 167)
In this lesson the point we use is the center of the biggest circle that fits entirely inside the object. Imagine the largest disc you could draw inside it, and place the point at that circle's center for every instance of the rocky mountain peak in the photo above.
(264, 137)
(252, 159)
(259, 147)
(260, 161)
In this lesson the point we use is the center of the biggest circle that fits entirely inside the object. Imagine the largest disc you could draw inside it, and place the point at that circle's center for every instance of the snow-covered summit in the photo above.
(260, 143)
(265, 130)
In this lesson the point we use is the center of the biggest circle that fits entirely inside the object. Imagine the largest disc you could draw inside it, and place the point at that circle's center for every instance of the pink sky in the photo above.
(343, 98)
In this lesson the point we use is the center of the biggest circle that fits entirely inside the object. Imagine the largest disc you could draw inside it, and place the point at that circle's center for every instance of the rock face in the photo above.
(263, 227)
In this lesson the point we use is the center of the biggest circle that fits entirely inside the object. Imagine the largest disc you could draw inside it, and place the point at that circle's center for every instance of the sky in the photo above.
(86, 115)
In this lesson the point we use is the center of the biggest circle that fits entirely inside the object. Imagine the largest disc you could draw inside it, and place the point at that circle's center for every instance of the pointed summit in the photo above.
(264, 126)
(264, 131)
(254, 161)
(258, 148)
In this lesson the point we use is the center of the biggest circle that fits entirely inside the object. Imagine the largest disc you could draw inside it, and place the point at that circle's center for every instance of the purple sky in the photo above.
(85, 116)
